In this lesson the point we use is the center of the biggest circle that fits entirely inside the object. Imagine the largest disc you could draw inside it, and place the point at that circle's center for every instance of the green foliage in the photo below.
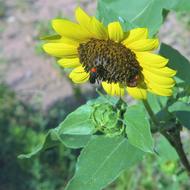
(106, 119)
(158, 172)
(101, 161)
(71, 132)
(179, 107)
(182, 5)
(145, 13)
(159, 105)
(165, 151)
(113, 136)
(138, 128)
(78, 122)
(22, 128)
(177, 62)
(78, 127)
(150, 174)
(107, 15)
(181, 111)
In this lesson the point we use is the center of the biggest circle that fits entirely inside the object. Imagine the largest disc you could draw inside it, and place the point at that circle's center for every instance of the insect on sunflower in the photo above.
(121, 61)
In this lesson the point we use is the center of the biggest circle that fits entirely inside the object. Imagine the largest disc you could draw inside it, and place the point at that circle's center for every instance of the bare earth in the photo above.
(34, 76)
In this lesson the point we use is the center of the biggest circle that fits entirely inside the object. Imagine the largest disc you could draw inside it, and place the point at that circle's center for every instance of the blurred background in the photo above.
(35, 95)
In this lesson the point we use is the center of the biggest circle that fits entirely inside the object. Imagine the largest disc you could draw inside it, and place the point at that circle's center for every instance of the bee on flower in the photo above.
(121, 61)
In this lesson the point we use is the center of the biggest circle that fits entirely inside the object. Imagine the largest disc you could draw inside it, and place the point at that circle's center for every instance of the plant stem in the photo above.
(172, 135)
(151, 113)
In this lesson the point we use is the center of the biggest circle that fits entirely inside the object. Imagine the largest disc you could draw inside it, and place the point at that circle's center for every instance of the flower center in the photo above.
(109, 61)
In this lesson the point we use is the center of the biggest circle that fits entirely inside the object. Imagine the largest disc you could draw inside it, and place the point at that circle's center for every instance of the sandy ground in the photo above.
(33, 75)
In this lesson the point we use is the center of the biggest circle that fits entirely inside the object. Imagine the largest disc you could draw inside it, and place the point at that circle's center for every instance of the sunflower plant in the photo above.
(119, 53)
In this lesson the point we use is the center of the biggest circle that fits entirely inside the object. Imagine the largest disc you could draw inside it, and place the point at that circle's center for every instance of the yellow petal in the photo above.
(113, 89)
(162, 80)
(69, 41)
(93, 25)
(69, 63)
(79, 75)
(60, 49)
(70, 30)
(107, 87)
(136, 34)
(137, 92)
(118, 89)
(153, 84)
(161, 91)
(98, 29)
(82, 18)
(115, 31)
(150, 59)
(144, 45)
(165, 71)
(66, 41)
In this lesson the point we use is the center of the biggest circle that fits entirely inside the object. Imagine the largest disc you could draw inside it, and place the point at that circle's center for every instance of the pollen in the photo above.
(111, 61)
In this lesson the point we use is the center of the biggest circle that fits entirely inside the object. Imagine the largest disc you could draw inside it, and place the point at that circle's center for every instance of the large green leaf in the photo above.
(74, 132)
(78, 127)
(145, 13)
(177, 62)
(102, 161)
(138, 128)
(182, 112)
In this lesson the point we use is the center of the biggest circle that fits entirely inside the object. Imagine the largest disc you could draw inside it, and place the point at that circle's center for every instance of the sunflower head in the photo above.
(121, 61)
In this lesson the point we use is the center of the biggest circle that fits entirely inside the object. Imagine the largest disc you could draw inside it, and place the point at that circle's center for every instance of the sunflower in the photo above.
(121, 61)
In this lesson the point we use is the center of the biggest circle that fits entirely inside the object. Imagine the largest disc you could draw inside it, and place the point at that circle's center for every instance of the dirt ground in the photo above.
(32, 74)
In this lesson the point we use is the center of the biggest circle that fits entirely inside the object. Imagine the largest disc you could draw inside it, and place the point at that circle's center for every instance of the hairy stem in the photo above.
(172, 135)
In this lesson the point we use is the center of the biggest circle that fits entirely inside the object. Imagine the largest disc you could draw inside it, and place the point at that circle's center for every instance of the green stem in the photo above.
(174, 138)
(100, 93)
(151, 113)
(172, 135)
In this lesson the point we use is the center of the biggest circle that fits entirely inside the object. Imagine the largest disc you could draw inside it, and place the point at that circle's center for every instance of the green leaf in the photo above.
(103, 99)
(74, 132)
(145, 13)
(177, 62)
(138, 128)
(78, 122)
(167, 156)
(182, 112)
(157, 102)
(159, 106)
(165, 150)
(75, 141)
(182, 5)
(53, 139)
(45, 144)
(102, 161)
(107, 15)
